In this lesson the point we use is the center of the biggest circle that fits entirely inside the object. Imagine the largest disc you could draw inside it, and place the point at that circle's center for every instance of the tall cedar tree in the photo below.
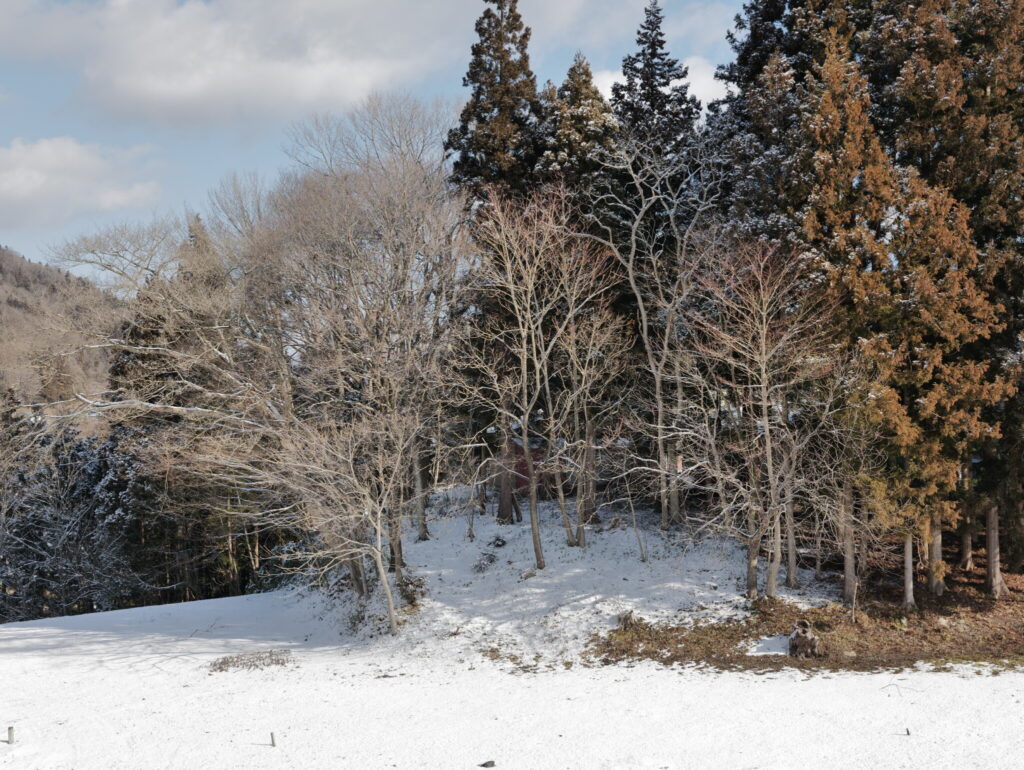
(654, 103)
(496, 147)
(946, 78)
(900, 253)
(578, 127)
(944, 81)
(495, 143)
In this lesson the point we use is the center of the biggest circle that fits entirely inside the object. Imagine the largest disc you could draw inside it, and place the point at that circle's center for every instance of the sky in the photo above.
(111, 110)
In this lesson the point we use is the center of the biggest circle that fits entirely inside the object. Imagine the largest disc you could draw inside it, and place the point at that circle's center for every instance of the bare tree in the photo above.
(585, 402)
(650, 218)
(541, 283)
(297, 340)
(754, 361)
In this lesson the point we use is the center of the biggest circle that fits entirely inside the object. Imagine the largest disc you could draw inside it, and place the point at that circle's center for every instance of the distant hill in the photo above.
(40, 358)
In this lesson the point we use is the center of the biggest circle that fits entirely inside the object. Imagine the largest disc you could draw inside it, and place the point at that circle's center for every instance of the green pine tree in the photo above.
(495, 143)
(654, 103)
(578, 128)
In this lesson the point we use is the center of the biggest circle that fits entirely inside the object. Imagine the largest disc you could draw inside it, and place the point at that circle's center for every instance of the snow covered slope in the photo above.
(487, 668)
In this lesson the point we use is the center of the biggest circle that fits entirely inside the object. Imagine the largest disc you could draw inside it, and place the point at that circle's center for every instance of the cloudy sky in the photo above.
(110, 109)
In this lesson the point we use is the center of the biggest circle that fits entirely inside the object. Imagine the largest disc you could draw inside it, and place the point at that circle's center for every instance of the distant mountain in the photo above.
(40, 357)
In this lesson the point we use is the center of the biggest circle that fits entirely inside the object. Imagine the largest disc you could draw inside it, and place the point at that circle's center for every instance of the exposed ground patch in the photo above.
(963, 626)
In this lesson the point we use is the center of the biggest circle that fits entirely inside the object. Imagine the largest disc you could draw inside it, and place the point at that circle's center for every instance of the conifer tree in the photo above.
(578, 127)
(756, 125)
(495, 143)
(768, 157)
(654, 103)
(900, 254)
(946, 80)
(759, 35)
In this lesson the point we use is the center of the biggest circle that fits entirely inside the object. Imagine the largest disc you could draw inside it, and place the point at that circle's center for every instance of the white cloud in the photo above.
(207, 61)
(605, 79)
(702, 80)
(52, 181)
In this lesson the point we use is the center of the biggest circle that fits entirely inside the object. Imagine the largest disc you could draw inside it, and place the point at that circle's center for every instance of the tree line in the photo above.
(792, 315)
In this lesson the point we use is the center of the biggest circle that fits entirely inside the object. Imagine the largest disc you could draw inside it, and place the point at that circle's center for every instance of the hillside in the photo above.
(491, 665)
(38, 305)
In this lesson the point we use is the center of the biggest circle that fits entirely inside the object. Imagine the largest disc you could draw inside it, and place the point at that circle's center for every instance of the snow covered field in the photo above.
(488, 668)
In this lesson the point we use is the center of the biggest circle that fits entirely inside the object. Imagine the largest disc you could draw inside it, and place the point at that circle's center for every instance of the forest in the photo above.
(792, 317)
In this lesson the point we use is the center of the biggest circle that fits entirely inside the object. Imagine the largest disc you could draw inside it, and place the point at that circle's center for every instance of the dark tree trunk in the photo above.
(506, 514)
(396, 562)
(775, 562)
(421, 501)
(355, 570)
(588, 484)
(994, 583)
(967, 549)
(791, 560)
(753, 549)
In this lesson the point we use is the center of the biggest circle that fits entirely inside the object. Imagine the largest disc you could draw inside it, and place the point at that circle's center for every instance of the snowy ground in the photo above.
(488, 668)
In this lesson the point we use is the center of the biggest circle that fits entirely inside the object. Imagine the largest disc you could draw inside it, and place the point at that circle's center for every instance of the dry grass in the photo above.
(961, 627)
(252, 661)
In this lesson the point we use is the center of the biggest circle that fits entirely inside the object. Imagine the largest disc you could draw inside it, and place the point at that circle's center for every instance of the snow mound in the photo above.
(486, 597)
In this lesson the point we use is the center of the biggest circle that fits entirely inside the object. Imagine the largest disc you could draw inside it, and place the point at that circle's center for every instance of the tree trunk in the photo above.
(388, 598)
(673, 489)
(563, 510)
(588, 508)
(775, 562)
(967, 548)
(791, 561)
(753, 549)
(355, 569)
(994, 583)
(396, 560)
(233, 568)
(849, 543)
(936, 567)
(663, 469)
(516, 509)
(505, 512)
(531, 476)
(421, 501)
(908, 573)
(817, 546)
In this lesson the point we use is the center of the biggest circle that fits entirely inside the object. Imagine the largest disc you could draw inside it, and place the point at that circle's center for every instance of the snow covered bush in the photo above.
(67, 535)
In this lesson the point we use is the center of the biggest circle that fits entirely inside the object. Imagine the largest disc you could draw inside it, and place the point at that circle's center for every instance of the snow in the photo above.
(489, 667)
(770, 645)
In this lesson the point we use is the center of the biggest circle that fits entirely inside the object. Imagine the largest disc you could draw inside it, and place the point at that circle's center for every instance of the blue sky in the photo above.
(113, 109)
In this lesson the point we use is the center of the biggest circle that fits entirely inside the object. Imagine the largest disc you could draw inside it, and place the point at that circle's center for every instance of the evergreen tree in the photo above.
(578, 127)
(654, 103)
(899, 252)
(495, 142)
(756, 126)
(946, 81)
(760, 33)
(768, 158)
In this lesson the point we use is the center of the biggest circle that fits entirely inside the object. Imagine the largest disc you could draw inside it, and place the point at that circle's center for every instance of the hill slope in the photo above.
(37, 306)
(489, 668)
